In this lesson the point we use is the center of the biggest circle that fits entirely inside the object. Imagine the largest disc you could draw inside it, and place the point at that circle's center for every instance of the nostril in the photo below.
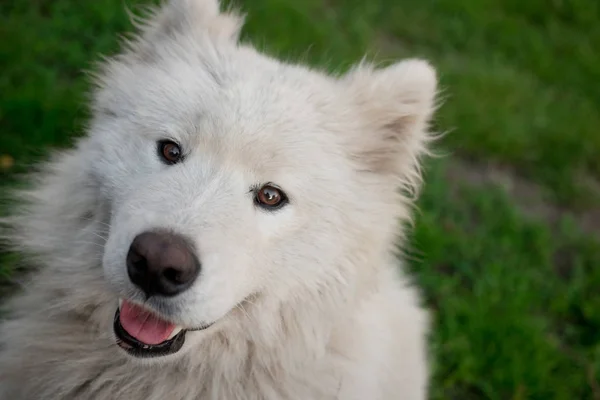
(134, 253)
(137, 266)
(173, 275)
(140, 264)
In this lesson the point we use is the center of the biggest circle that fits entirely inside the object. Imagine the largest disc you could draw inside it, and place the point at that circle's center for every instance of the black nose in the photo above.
(162, 263)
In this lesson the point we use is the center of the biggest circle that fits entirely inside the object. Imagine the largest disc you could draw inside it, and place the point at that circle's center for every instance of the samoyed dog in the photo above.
(226, 229)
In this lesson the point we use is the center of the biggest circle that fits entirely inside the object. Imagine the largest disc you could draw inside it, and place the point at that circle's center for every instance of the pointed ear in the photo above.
(192, 16)
(394, 105)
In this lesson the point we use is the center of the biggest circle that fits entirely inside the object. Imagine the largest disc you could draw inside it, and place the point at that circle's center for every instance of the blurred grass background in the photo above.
(507, 241)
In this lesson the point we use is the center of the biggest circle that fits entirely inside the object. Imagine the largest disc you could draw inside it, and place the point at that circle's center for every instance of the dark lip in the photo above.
(142, 350)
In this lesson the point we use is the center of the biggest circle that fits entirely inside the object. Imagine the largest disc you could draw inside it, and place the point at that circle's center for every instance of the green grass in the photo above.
(516, 302)
(515, 298)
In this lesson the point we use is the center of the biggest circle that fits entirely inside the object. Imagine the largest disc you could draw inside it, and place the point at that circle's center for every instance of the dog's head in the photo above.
(229, 175)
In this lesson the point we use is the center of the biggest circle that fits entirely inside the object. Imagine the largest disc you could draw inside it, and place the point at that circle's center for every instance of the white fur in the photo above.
(308, 302)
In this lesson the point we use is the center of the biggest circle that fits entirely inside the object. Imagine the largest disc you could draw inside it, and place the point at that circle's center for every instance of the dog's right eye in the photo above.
(169, 152)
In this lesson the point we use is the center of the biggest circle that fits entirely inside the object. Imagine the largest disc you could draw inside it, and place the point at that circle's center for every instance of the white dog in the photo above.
(225, 230)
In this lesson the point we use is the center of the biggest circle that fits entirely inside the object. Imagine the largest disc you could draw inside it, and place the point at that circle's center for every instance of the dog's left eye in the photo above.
(169, 151)
(270, 197)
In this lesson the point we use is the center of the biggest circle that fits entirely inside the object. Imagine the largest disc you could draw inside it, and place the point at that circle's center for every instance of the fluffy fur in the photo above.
(308, 302)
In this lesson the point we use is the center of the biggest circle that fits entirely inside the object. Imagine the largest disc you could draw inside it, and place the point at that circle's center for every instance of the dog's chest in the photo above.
(255, 382)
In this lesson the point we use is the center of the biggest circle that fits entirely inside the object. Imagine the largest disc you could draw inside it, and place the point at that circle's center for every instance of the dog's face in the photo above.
(229, 175)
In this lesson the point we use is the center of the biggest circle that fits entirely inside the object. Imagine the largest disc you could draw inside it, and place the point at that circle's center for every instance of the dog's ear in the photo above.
(202, 17)
(394, 106)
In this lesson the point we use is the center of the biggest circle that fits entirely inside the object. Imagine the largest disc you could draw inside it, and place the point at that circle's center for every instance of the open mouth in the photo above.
(144, 334)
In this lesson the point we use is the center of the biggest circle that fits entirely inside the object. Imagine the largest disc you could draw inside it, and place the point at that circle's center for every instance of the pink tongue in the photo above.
(143, 325)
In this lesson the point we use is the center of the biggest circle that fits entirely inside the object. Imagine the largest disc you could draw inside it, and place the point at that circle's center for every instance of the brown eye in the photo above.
(169, 151)
(270, 197)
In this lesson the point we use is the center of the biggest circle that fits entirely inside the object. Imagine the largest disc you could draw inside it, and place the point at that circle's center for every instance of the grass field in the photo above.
(507, 240)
